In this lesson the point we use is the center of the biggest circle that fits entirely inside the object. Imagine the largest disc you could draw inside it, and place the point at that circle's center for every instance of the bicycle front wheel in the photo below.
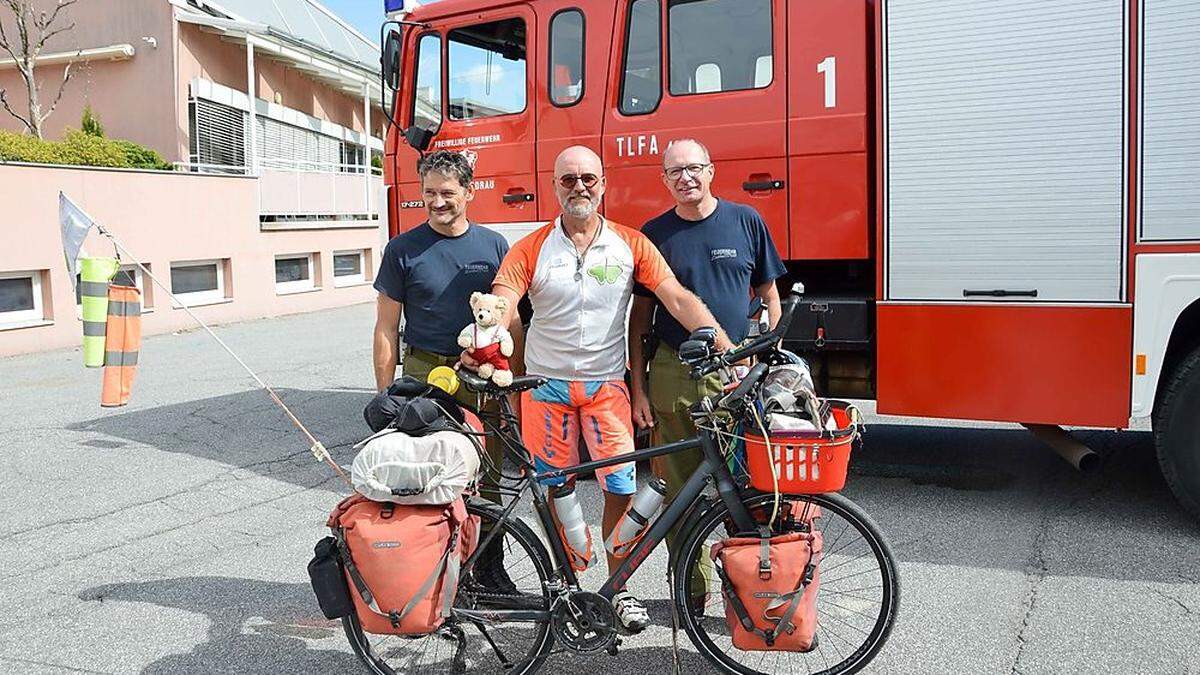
(858, 594)
(512, 576)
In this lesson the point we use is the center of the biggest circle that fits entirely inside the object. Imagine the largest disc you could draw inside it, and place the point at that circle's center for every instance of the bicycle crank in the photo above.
(584, 622)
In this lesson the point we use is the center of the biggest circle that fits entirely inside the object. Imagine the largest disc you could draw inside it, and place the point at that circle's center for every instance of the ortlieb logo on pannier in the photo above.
(769, 585)
(400, 562)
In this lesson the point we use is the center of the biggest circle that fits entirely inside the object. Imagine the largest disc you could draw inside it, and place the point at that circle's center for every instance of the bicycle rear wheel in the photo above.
(463, 646)
(857, 598)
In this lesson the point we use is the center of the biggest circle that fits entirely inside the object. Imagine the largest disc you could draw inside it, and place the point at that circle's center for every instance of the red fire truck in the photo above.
(993, 206)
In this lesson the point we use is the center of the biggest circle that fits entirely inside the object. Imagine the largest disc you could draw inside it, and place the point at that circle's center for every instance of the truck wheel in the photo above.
(1177, 433)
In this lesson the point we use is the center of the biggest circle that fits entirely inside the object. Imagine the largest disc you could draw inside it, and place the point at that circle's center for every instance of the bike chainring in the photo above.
(584, 622)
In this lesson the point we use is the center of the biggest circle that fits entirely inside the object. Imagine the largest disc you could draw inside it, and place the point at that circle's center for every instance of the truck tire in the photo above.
(1177, 433)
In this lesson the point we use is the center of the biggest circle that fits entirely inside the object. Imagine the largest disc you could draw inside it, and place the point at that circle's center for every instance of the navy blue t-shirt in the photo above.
(433, 276)
(721, 259)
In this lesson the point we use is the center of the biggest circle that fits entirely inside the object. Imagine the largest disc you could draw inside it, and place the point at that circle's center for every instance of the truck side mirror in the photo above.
(418, 137)
(390, 60)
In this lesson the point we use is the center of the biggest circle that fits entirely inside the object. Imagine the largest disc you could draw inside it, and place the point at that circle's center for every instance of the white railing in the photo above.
(301, 188)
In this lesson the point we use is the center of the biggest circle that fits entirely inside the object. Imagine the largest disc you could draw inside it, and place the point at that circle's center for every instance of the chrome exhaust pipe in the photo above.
(1077, 454)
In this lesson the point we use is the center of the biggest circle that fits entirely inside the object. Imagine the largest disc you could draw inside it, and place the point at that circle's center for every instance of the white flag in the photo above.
(75, 227)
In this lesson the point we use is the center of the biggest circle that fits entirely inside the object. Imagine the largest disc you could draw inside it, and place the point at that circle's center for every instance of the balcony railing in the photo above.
(300, 193)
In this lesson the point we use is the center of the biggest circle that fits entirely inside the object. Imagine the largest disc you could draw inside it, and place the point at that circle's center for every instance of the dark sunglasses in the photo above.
(569, 180)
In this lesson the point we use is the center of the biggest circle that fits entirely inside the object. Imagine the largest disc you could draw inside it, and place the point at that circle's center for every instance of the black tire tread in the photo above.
(1185, 375)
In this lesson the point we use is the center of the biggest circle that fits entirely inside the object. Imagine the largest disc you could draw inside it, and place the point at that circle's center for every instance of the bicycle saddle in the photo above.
(477, 384)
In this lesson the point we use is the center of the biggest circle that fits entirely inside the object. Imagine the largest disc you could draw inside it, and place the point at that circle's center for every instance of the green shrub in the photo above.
(79, 148)
(141, 157)
(90, 124)
(16, 147)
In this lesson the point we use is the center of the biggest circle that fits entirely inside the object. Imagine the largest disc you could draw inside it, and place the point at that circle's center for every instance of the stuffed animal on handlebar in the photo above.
(486, 341)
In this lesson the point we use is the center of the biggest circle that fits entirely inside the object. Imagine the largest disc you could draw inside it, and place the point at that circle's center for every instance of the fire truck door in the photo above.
(712, 70)
(488, 111)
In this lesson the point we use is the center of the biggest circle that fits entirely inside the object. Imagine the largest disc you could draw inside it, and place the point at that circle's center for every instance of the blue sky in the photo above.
(365, 15)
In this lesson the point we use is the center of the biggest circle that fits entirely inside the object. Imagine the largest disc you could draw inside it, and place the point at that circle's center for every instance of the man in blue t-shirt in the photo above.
(722, 252)
(427, 276)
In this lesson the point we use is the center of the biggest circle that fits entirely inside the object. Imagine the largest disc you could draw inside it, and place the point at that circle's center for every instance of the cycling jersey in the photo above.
(580, 302)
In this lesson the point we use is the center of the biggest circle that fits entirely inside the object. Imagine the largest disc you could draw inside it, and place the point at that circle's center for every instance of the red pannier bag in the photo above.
(769, 585)
(402, 562)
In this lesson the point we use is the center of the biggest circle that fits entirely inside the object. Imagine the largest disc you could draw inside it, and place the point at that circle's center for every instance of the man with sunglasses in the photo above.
(579, 272)
(722, 252)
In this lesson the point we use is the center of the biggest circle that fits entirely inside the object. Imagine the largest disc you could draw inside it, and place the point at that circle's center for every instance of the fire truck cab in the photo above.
(993, 207)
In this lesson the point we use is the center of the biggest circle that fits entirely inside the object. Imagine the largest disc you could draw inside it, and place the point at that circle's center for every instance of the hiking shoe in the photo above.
(631, 612)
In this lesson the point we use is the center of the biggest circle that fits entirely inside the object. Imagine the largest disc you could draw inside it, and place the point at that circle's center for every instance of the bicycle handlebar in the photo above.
(758, 345)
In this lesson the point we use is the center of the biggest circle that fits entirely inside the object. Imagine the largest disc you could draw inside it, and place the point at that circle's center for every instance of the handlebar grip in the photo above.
(785, 315)
(744, 386)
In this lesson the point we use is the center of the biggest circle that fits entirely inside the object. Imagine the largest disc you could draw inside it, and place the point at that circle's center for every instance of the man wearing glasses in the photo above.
(720, 250)
(579, 272)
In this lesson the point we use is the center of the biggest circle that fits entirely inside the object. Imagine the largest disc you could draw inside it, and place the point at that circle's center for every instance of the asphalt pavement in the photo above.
(171, 536)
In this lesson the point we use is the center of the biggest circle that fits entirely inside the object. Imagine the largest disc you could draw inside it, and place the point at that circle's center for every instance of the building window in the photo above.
(20, 298)
(348, 267)
(218, 137)
(487, 69)
(427, 101)
(566, 57)
(641, 85)
(294, 273)
(199, 282)
(719, 45)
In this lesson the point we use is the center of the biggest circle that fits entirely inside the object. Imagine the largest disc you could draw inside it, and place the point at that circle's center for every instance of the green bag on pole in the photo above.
(94, 275)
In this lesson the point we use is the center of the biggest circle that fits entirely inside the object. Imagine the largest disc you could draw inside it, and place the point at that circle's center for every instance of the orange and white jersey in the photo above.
(580, 302)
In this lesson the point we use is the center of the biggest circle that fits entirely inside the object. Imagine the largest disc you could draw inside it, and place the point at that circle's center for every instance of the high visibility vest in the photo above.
(94, 275)
(123, 338)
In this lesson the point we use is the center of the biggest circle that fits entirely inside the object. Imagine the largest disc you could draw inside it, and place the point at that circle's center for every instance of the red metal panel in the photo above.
(745, 131)
(828, 129)
(829, 207)
(1046, 365)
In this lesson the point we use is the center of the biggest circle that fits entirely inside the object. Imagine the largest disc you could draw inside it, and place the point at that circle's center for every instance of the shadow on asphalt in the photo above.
(942, 495)
(254, 626)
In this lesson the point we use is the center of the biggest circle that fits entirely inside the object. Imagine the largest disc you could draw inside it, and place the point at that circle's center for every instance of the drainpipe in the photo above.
(252, 135)
(367, 145)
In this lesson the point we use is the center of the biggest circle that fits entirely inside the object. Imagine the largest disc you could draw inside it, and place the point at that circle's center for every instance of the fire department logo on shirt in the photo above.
(721, 253)
(470, 156)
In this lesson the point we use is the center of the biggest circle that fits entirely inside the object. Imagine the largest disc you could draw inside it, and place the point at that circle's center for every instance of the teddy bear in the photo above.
(486, 341)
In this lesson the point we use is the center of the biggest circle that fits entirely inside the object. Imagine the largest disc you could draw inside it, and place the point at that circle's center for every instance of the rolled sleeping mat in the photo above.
(94, 275)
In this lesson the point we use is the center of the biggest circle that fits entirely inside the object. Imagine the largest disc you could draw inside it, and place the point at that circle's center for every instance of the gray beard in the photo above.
(577, 210)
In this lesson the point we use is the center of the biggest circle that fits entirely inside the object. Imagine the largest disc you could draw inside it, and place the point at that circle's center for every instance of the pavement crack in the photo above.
(1187, 610)
(168, 530)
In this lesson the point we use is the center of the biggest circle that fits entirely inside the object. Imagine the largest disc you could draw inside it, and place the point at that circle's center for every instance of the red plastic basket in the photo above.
(806, 462)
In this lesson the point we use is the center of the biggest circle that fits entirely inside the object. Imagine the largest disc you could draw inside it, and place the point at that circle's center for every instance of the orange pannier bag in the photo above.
(769, 585)
(402, 562)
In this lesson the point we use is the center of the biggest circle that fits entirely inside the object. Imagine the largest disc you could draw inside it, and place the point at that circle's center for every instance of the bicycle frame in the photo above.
(713, 465)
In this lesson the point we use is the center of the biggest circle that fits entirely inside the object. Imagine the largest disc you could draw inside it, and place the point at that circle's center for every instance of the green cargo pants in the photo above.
(418, 363)
(672, 391)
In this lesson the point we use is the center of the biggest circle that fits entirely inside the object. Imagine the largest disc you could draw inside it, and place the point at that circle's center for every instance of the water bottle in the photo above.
(643, 507)
(575, 532)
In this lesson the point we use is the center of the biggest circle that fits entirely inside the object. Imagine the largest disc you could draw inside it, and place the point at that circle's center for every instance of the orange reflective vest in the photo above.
(123, 338)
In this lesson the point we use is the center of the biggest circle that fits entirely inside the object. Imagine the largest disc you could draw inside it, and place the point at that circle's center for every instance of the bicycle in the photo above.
(859, 589)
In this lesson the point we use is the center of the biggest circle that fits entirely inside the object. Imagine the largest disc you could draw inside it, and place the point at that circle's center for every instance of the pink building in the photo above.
(274, 207)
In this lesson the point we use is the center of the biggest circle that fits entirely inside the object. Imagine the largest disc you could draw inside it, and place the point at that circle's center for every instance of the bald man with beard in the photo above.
(579, 272)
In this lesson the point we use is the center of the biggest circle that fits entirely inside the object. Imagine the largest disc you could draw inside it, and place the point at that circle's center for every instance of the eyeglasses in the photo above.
(569, 180)
(676, 172)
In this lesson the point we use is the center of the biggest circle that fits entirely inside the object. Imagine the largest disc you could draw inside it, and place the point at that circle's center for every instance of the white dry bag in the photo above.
(432, 469)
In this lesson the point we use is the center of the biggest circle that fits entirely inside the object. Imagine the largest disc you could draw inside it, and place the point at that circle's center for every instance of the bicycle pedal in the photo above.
(614, 646)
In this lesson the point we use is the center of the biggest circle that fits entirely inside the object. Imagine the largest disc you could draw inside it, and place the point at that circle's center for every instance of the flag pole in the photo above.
(318, 449)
